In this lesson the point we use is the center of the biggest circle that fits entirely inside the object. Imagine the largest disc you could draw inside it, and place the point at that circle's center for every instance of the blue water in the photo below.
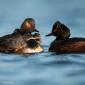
(45, 68)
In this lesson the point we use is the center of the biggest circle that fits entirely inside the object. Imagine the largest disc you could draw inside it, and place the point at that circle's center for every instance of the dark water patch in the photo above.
(80, 83)
(37, 82)
(76, 73)
(63, 63)
(11, 58)
(78, 58)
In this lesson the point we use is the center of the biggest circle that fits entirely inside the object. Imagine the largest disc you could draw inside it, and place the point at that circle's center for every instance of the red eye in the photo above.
(57, 30)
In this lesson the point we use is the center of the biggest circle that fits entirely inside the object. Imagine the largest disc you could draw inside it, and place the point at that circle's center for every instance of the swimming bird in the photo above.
(27, 26)
(16, 43)
(22, 40)
(63, 43)
(60, 30)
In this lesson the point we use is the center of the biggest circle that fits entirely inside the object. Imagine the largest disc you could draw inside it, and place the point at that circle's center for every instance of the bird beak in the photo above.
(50, 34)
(36, 30)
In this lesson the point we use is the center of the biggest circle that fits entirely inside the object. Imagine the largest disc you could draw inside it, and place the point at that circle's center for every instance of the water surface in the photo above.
(45, 68)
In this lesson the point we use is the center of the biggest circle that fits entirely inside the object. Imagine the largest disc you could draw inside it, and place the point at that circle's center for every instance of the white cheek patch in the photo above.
(36, 50)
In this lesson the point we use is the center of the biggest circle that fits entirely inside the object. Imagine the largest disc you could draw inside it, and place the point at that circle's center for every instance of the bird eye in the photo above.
(37, 39)
(58, 29)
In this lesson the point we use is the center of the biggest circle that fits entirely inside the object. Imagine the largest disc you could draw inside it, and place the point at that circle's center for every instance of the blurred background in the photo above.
(45, 68)
(45, 13)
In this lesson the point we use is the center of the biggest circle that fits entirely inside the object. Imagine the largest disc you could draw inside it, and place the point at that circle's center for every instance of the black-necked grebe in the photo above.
(22, 40)
(63, 43)
(20, 44)
(27, 26)
(60, 31)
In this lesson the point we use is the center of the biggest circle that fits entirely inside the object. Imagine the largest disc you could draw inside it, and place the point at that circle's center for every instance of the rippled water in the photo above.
(42, 69)
(45, 68)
